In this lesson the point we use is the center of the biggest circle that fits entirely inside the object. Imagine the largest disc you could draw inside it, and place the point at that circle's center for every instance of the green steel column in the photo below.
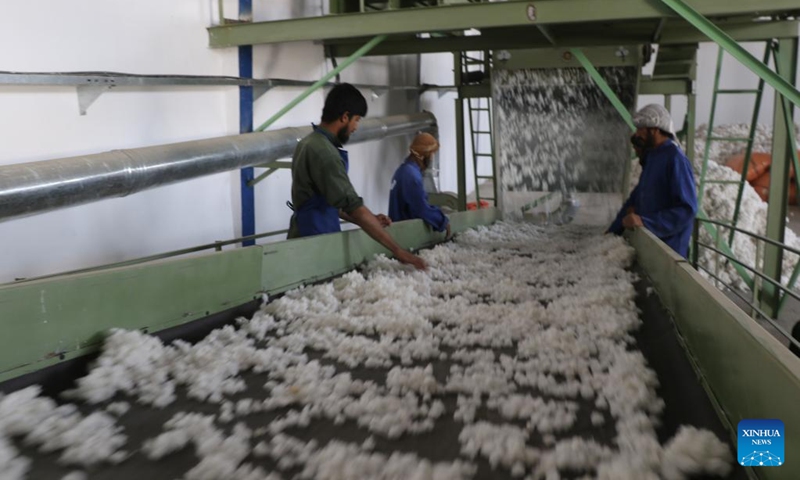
(737, 51)
(668, 103)
(786, 64)
(748, 153)
(461, 161)
(710, 130)
(461, 167)
(322, 81)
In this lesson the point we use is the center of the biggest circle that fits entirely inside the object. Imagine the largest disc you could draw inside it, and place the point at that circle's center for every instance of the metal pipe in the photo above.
(35, 187)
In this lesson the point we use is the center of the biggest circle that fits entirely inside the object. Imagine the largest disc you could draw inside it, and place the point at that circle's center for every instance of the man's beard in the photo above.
(342, 135)
(650, 141)
(426, 163)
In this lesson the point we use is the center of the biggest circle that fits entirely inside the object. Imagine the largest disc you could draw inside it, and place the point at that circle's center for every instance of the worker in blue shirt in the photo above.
(407, 198)
(665, 200)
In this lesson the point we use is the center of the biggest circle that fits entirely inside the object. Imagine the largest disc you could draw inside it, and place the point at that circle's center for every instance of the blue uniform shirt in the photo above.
(665, 197)
(408, 200)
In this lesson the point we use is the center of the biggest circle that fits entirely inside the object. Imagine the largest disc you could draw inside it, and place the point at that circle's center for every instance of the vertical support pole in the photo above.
(461, 168)
(748, 153)
(248, 198)
(668, 103)
(757, 281)
(786, 64)
(691, 122)
(710, 132)
(461, 162)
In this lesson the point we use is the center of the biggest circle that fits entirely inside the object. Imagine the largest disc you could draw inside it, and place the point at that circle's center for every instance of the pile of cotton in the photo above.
(514, 334)
(719, 203)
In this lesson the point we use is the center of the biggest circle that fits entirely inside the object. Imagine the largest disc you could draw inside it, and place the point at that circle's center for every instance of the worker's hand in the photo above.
(632, 220)
(630, 210)
(384, 220)
(410, 259)
(448, 234)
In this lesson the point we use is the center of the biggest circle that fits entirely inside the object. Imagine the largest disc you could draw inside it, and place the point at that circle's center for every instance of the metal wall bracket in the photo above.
(87, 94)
(259, 91)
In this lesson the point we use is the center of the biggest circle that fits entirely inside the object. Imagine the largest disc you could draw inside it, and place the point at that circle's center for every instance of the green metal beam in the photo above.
(461, 158)
(691, 122)
(606, 34)
(768, 49)
(696, 18)
(482, 90)
(565, 58)
(276, 164)
(704, 170)
(322, 81)
(261, 177)
(600, 81)
(62, 317)
(746, 371)
(786, 64)
(48, 320)
(461, 17)
(649, 86)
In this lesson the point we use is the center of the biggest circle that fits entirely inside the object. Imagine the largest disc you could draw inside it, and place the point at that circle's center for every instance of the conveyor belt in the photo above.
(686, 403)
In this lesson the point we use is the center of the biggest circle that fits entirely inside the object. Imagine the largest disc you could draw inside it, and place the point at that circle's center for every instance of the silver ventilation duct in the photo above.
(35, 187)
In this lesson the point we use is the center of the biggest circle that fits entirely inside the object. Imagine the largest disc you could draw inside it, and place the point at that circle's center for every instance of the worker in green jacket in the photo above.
(321, 190)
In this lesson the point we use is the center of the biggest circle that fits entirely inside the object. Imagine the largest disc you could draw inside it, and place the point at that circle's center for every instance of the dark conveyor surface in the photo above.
(686, 403)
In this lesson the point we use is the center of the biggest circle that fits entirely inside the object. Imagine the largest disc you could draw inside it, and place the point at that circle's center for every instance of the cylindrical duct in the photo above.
(35, 187)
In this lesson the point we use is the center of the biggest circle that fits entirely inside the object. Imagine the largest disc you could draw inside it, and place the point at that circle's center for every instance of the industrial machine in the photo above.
(52, 325)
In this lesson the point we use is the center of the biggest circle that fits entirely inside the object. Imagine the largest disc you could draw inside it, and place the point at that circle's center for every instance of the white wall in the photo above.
(39, 123)
(157, 37)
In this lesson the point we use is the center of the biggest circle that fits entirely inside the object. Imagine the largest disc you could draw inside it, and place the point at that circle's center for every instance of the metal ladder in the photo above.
(480, 126)
(710, 138)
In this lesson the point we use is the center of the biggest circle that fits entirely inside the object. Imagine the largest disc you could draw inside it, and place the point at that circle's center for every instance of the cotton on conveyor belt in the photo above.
(513, 356)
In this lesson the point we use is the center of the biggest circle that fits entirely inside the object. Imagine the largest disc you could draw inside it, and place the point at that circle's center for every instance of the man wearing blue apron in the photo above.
(321, 190)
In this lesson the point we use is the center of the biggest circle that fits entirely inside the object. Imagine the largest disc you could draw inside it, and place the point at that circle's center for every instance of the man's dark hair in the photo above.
(343, 98)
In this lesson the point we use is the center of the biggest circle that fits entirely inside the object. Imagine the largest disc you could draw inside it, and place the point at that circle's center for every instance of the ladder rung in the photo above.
(477, 132)
(738, 91)
(479, 109)
(729, 139)
(485, 177)
(484, 155)
(725, 182)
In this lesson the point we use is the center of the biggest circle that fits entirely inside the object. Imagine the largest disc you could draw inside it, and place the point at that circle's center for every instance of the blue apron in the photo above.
(316, 216)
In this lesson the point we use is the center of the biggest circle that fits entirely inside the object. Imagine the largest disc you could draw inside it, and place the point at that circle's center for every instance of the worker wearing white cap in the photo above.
(407, 199)
(665, 200)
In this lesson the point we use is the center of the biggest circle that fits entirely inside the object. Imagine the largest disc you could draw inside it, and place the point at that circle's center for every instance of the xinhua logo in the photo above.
(761, 443)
